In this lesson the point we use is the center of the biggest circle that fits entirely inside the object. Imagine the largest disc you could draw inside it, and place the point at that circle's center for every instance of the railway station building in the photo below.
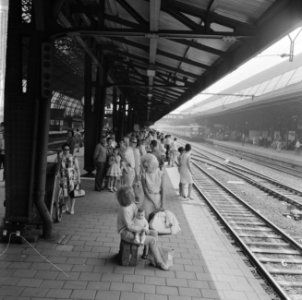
(118, 65)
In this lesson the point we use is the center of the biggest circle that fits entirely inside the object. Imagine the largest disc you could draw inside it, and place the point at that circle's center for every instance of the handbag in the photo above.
(165, 222)
(78, 192)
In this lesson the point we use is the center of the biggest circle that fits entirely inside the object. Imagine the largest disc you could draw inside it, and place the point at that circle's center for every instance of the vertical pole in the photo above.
(41, 163)
(114, 112)
(122, 114)
(100, 100)
(27, 119)
(88, 117)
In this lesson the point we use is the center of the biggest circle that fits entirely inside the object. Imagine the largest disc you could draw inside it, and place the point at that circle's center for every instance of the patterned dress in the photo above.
(69, 173)
(115, 169)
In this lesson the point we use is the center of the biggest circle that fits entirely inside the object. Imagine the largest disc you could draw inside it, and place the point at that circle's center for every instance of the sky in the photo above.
(264, 60)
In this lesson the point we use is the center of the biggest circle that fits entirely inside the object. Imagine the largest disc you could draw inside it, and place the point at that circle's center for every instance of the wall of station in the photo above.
(275, 121)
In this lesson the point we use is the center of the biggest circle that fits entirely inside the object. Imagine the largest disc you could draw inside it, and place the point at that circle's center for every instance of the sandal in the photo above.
(163, 266)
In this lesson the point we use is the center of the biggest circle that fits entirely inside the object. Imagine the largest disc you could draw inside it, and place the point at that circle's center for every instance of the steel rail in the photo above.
(262, 187)
(262, 269)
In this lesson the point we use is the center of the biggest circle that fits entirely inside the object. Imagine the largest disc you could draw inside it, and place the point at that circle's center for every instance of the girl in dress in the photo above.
(69, 172)
(114, 172)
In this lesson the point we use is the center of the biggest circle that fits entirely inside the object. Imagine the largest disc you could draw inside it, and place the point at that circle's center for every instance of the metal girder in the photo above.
(121, 21)
(133, 37)
(157, 65)
(133, 13)
(198, 46)
(272, 29)
(159, 68)
(240, 28)
(166, 34)
(182, 18)
(162, 53)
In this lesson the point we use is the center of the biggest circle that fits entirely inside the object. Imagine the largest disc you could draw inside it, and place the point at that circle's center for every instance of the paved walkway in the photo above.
(80, 262)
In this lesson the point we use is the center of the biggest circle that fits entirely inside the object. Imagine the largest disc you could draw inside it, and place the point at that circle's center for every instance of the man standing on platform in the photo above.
(100, 158)
(2, 146)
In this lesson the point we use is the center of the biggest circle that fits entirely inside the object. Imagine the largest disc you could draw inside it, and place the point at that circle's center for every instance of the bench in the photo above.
(128, 253)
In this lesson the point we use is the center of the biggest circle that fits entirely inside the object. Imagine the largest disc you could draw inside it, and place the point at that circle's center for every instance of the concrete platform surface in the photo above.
(80, 262)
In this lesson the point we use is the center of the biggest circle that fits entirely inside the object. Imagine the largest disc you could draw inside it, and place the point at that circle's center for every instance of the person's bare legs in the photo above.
(151, 242)
(146, 247)
(72, 203)
(189, 191)
(181, 190)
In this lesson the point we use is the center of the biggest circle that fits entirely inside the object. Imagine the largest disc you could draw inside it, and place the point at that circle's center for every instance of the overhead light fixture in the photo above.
(150, 72)
(149, 95)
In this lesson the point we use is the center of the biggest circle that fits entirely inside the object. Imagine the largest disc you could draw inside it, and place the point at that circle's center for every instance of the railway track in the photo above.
(267, 184)
(270, 162)
(277, 256)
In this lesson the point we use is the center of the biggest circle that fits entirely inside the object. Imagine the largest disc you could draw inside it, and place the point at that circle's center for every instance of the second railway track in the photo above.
(277, 256)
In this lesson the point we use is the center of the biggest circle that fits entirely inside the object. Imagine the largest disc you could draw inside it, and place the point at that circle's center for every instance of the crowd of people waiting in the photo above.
(126, 162)
(134, 168)
(140, 158)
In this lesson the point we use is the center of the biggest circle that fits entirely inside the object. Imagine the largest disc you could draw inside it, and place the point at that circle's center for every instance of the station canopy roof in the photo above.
(280, 83)
(161, 53)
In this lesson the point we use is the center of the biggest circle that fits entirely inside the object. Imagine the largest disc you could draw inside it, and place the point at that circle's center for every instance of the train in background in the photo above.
(194, 132)
(60, 122)
(59, 126)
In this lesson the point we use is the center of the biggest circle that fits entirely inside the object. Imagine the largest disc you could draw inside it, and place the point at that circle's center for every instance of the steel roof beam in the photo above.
(121, 21)
(163, 53)
(167, 34)
(158, 69)
(272, 30)
(182, 18)
(198, 46)
(154, 10)
(157, 65)
(133, 13)
(239, 27)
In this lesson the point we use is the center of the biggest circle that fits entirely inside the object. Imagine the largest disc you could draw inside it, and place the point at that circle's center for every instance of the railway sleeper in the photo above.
(290, 284)
(287, 260)
(275, 251)
(285, 271)
(267, 244)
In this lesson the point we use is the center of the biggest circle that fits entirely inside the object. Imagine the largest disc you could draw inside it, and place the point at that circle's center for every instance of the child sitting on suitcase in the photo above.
(141, 222)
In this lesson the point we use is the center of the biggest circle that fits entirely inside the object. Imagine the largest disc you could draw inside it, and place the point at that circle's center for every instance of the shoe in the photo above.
(111, 190)
(144, 256)
(71, 212)
(163, 266)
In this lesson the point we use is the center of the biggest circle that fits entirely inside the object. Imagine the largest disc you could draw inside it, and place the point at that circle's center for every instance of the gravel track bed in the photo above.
(272, 208)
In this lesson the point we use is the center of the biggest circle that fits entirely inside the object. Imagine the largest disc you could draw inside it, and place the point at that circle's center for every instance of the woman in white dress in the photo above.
(185, 171)
(153, 184)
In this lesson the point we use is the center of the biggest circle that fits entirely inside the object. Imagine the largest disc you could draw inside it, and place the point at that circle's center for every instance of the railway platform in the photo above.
(288, 156)
(80, 262)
